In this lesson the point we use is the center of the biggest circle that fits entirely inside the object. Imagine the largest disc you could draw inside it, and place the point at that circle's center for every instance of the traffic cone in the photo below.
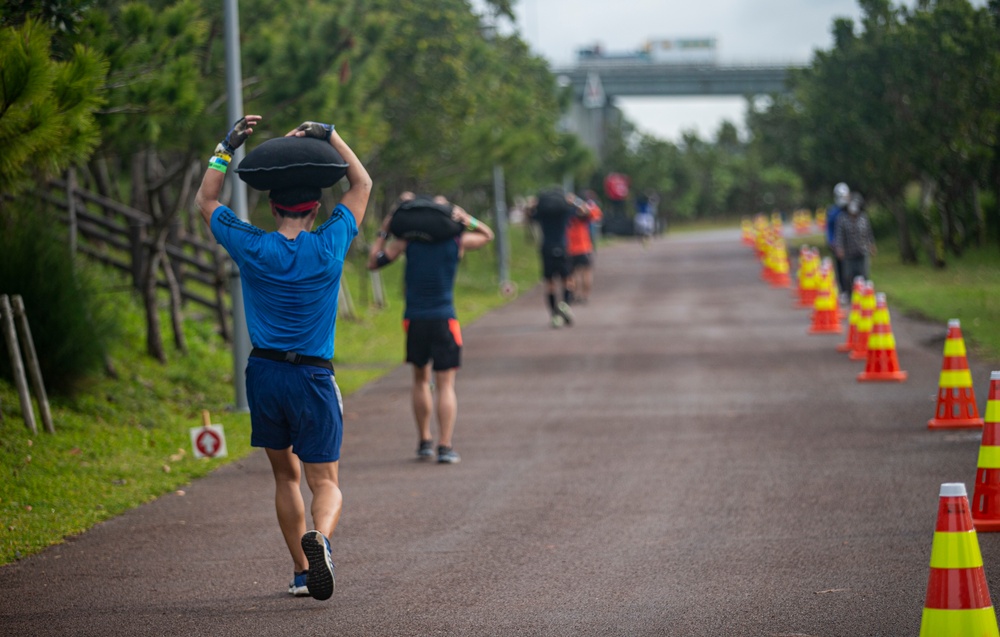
(986, 491)
(760, 235)
(854, 316)
(825, 316)
(748, 236)
(958, 597)
(820, 219)
(780, 277)
(767, 256)
(860, 350)
(807, 276)
(956, 401)
(882, 363)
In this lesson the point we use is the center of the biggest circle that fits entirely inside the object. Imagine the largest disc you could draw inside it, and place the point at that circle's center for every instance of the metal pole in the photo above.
(234, 87)
(500, 203)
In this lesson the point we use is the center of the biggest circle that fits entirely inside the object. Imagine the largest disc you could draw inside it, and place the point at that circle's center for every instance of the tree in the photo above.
(47, 106)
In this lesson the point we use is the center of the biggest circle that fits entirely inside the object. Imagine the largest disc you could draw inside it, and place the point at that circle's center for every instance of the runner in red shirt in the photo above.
(580, 247)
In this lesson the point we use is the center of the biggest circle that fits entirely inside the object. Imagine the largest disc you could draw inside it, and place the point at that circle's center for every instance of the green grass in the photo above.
(968, 289)
(123, 442)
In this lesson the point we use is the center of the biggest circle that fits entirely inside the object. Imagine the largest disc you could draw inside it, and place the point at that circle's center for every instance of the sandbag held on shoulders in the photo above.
(423, 219)
(292, 162)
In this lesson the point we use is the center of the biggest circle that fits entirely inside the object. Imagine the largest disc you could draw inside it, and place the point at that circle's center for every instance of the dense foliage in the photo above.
(904, 108)
(433, 96)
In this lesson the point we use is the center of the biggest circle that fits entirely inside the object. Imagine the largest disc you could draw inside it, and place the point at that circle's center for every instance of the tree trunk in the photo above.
(977, 209)
(71, 210)
(935, 242)
(137, 232)
(176, 299)
(906, 251)
(102, 177)
(154, 340)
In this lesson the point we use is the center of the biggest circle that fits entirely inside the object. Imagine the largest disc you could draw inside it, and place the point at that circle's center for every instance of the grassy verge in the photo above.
(967, 289)
(123, 442)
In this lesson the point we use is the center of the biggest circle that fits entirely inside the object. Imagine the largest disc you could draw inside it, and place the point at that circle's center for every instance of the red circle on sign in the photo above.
(208, 442)
(616, 186)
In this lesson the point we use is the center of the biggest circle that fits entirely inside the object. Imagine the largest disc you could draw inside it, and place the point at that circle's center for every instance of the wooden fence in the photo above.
(120, 236)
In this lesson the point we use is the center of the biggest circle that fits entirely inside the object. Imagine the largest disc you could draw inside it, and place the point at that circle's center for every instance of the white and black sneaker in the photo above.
(425, 451)
(565, 312)
(319, 578)
(447, 455)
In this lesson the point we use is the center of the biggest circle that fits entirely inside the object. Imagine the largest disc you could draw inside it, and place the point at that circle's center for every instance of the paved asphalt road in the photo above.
(686, 460)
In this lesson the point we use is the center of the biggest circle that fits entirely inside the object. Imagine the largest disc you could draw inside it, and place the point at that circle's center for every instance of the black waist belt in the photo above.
(291, 357)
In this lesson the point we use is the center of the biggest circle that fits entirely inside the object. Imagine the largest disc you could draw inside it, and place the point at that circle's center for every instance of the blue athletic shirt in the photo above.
(430, 279)
(831, 223)
(290, 288)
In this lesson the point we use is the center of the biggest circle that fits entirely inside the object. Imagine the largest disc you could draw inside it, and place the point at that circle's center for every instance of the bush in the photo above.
(69, 325)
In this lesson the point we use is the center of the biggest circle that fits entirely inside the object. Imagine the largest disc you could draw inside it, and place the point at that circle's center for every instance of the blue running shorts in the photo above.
(295, 405)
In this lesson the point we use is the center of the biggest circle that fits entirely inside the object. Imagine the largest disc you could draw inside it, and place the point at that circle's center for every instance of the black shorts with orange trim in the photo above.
(438, 340)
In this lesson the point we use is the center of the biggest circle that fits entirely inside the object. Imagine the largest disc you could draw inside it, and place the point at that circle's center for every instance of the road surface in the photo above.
(684, 461)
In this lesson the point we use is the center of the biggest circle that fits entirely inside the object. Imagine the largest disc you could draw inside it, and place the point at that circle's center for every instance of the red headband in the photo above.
(305, 206)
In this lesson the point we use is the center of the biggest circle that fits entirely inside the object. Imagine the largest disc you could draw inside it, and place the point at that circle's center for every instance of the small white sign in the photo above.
(208, 441)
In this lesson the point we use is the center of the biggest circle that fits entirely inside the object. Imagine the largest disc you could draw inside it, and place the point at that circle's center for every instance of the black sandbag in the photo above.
(292, 162)
(423, 219)
(552, 202)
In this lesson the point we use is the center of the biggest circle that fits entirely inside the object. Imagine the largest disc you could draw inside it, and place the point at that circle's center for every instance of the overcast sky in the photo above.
(745, 31)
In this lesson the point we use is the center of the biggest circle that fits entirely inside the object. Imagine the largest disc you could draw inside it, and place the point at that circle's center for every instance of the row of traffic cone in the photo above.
(958, 602)
(869, 334)
(802, 223)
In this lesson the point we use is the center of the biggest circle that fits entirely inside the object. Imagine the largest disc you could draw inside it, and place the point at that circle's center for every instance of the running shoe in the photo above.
(298, 586)
(319, 578)
(426, 450)
(566, 313)
(558, 320)
(447, 455)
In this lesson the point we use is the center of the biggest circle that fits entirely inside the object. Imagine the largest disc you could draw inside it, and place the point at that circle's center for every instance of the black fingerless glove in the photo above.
(235, 137)
(317, 130)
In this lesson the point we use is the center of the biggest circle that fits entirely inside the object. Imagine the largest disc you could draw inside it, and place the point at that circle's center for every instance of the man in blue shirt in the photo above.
(291, 279)
(433, 334)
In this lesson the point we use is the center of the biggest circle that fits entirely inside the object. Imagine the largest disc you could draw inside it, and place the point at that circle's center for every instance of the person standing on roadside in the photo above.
(552, 210)
(854, 240)
(433, 334)
(291, 279)
(645, 218)
(841, 196)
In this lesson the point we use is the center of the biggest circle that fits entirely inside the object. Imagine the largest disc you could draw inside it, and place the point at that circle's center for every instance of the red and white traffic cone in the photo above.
(986, 491)
(956, 401)
(958, 599)
(882, 363)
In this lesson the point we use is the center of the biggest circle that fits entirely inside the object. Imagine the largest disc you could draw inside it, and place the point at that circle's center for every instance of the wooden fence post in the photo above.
(345, 305)
(10, 336)
(378, 292)
(31, 358)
